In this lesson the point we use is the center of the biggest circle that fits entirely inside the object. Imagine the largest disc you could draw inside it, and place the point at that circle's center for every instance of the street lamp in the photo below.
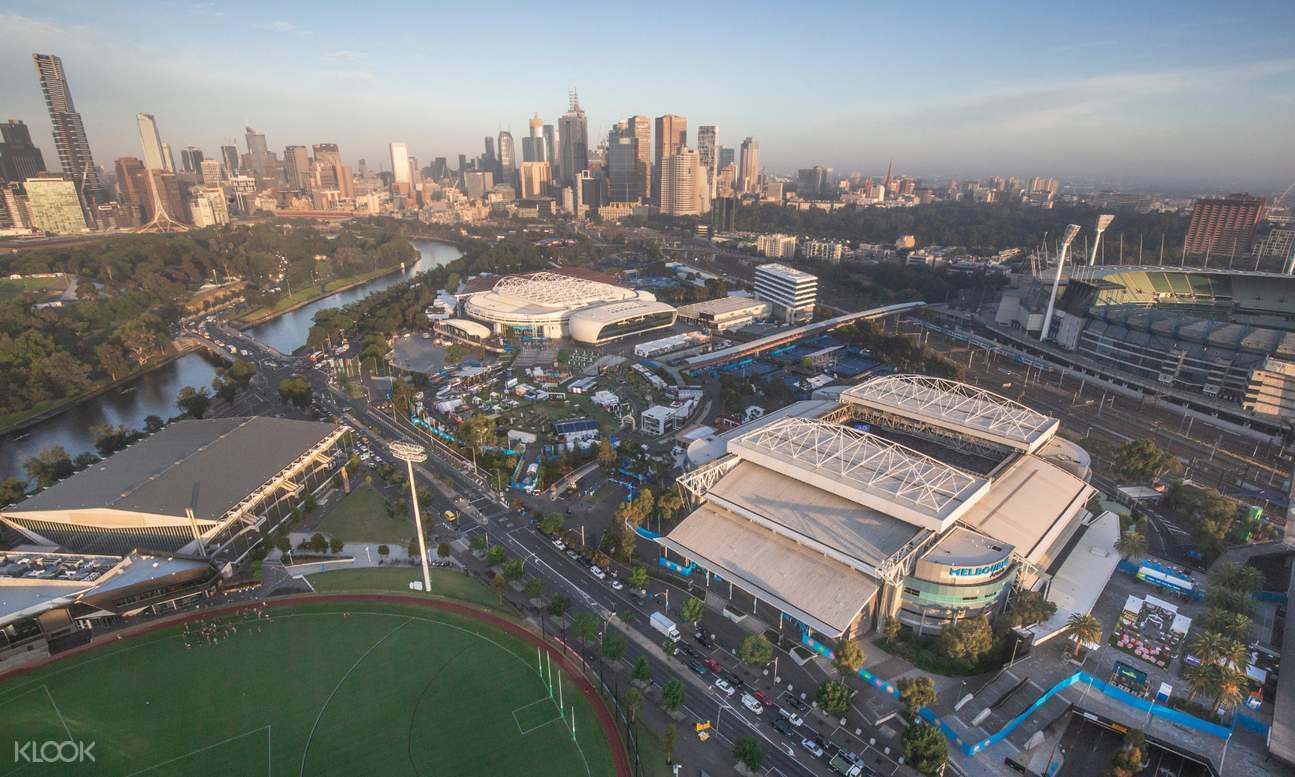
(409, 453)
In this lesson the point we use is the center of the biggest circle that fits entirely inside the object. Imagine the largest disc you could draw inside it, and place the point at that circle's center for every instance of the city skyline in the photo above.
(1175, 97)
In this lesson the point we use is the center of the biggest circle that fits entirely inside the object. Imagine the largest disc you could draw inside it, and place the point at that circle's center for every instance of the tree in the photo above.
(384, 551)
(1208, 646)
(849, 656)
(296, 391)
(109, 439)
(748, 752)
(692, 610)
(153, 423)
(613, 646)
(834, 697)
(916, 693)
(966, 641)
(585, 627)
(1131, 544)
(925, 748)
(49, 466)
(669, 504)
(495, 556)
(638, 577)
(284, 545)
(1142, 461)
(672, 695)
(534, 588)
(1084, 629)
(1230, 687)
(513, 569)
(755, 650)
(892, 628)
(558, 606)
(413, 548)
(193, 402)
(1200, 680)
(633, 698)
(552, 524)
(11, 490)
(668, 739)
(335, 545)
(443, 550)
(1030, 607)
(498, 584)
(478, 542)
(642, 670)
(606, 453)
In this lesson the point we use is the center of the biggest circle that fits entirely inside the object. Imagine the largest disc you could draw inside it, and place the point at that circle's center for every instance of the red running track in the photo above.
(605, 718)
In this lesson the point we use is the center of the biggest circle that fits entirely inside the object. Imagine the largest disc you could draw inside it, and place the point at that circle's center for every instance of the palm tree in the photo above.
(1237, 655)
(1208, 646)
(1084, 628)
(1200, 680)
(1230, 689)
(1237, 627)
(1131, 543)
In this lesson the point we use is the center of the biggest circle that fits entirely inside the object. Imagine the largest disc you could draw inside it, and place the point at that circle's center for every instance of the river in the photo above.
(153, 393)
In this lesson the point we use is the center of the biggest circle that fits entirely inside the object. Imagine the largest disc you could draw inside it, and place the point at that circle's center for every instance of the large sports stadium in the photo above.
(547, 305)
(317, 685)
(910, 497)
(1226, 336)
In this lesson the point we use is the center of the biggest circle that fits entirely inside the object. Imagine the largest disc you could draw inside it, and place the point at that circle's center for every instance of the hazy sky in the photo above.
(1180, 94)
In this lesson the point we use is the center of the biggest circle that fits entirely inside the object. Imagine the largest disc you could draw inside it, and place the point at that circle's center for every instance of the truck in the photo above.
(664, 625)
(844, 766)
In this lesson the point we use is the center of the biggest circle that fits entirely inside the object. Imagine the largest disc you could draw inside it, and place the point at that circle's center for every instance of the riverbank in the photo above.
(16, 422)
(303, 298)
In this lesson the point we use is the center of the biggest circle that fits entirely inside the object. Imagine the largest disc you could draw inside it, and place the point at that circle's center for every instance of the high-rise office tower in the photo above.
(69, 132)
(726, 156)
(55, 205)
(209, 171)
(708, 153)
(623, 171)
(812, 181)
(191, 159)
(573, 136)
(20, 159)
(640, 129)
(400, 179)
(229, 157)
(533, 148)
(748, 172)
(168, 159)
(150, 139)
(132, 186)
(671, 136)
(258, 152)
(534, 179)
(488, 160)
(329, 172)
(1223, 226)
(551, 150)
(507, 157)
(296, 166)
(415, 175)
(683, 185)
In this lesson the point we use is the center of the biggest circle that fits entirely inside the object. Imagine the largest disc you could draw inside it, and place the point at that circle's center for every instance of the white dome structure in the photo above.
(542, 304)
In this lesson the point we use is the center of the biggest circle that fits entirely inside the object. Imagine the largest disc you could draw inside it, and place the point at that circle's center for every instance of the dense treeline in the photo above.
(132, 288)
(980, 228)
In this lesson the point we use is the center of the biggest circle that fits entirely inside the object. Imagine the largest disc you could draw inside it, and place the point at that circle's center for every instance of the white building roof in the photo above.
(956, 406)
(787, 272)
(1029, 506)
(863, 468)
(469, 328)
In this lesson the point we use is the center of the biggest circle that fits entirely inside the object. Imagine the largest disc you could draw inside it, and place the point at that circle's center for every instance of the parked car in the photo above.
(796, 704)
(752, 703)
(597, 572)
(714, 665)
(697, 668)
(764, 698)
(784, 727)
(617, 585)
(724, 687)
(701, 640)
(813, 746)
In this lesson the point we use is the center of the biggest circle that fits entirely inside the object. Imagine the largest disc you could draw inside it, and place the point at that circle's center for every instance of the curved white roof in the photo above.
(958, 407)
(470, 328)
(559, 291)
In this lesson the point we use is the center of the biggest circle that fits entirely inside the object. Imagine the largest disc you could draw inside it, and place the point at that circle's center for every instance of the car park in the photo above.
(724, 687)
(813, 746)
(752, 703)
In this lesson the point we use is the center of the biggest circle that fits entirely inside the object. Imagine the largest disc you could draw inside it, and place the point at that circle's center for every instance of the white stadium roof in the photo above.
(559, 291)
(956, 406)
(866, 469)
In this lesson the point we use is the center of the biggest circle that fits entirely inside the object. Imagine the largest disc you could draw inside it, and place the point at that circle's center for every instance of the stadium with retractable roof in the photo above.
(911, 497)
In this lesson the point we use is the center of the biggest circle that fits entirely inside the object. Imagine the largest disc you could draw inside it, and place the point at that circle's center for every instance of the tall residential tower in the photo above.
(69, 132)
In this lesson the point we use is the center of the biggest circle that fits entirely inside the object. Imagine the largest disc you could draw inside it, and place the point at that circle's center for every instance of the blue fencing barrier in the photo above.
(675, 567)
(1250, 724)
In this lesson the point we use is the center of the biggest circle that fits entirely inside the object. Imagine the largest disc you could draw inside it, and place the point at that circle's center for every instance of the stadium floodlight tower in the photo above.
(1066, 240)
(1103, 221)
(409, 453)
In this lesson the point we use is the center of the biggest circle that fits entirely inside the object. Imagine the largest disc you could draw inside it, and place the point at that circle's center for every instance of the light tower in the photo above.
(1103, 221)
(1066, 240)
(409, 453)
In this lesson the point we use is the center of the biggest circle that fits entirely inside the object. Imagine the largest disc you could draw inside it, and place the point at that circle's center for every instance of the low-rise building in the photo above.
(776, 246)
(719, 315)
